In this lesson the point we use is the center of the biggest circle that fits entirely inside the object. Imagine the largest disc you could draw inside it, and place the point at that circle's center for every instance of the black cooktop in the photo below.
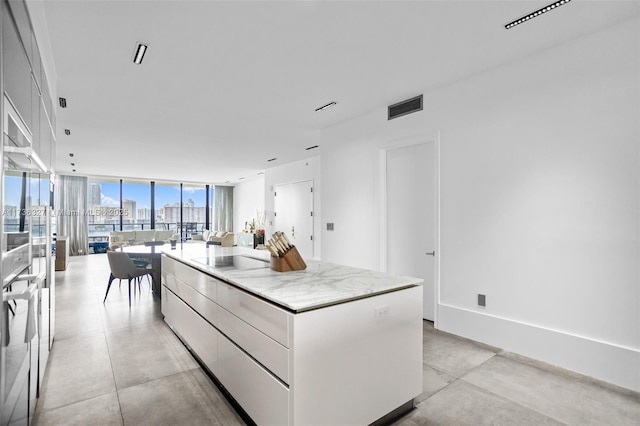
(233, 262)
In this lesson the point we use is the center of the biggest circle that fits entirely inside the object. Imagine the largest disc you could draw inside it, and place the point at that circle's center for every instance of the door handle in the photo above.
(433, 253)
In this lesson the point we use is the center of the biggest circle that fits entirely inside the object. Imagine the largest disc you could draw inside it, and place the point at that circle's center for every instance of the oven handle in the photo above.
(28, 293)
(30, 329)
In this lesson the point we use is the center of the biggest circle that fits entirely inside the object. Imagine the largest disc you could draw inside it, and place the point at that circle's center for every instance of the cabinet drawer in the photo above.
(262, 396)
(201, 304)
(192, 328)
(271, 354)
(201, 282)
(269, 319)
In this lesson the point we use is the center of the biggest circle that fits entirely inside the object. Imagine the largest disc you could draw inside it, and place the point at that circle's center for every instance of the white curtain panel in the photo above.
(71, 209)
(223, 208)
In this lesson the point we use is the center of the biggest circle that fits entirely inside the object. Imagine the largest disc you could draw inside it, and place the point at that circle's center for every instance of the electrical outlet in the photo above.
(482, 300)
(382, 312)
(330, 226)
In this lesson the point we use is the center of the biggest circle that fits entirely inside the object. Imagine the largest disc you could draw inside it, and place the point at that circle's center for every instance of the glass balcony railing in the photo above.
(100, 231)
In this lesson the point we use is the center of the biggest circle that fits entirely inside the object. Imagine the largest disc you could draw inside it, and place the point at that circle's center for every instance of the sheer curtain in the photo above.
(71, 209)
(223, 208)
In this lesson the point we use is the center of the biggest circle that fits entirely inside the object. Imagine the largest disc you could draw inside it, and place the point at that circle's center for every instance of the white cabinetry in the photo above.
(16, 69)
(192, 328)
(349, 363)
(259, 393)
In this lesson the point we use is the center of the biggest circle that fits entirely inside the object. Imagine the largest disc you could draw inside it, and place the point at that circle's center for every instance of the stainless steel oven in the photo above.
(19, 345)
(22, 281)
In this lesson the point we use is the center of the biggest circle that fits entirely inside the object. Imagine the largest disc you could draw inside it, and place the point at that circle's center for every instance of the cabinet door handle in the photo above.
(433, 253)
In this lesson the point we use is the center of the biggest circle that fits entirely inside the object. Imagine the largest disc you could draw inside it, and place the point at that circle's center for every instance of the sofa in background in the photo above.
(223, 238)
(120, 238)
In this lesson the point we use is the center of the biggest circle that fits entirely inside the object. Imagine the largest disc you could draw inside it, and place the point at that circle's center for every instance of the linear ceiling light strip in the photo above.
(330, 104)
(536, 13)
(139, 55)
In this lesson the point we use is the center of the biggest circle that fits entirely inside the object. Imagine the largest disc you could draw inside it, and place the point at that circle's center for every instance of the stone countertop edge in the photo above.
(321, 285)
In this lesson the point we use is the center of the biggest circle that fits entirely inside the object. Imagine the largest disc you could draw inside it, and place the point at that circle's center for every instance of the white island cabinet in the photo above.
(331, 345)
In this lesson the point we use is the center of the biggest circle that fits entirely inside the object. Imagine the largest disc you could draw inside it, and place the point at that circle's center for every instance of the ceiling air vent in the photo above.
(404, 107)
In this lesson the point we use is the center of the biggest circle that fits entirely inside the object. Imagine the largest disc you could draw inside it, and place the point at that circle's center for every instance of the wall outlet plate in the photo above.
(482, 300)
(382, 312)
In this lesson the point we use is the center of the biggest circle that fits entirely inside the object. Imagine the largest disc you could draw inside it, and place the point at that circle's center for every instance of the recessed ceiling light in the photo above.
(535, 13)
(260, 173)
(62, 102)
(139, 53)
(272, 159)
(67, 132)
(240, 178)
(73, 170)
(73, 164)
(311, 147)
(71, 154)
(330, 104)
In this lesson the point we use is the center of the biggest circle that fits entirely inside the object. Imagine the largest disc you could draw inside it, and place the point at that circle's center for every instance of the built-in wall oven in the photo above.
(24, 270)
(19, 346)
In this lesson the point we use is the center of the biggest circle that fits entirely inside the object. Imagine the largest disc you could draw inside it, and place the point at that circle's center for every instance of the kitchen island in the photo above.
(328, 345)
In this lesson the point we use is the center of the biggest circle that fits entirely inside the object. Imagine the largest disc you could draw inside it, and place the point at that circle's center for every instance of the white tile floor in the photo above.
(115, 365)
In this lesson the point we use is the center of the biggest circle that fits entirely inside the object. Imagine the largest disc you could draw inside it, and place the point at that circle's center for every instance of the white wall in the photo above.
(248, 200)
(298, 171)
(540, 194)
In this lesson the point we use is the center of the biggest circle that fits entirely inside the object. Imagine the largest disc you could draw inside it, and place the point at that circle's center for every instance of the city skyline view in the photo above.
(136, 204)
(141, 193)
(106, 195)
(110, 193)
(13, 190)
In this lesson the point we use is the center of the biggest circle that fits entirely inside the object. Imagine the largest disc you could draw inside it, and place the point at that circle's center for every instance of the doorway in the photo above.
(293, 206)
(412, 222)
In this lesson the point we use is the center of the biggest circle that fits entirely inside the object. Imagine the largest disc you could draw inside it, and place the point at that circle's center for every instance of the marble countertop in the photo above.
(321, 284)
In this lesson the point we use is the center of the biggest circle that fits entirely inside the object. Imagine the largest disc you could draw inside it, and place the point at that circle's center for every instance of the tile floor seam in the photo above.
(512, 401)
(78, 401)
(478, 366)
(449, 373)
(461, 378)
(435, 393)
(440, 370)
(113, 374)
(54, 348)
(575, 376)
(158, 378)
(118, 388)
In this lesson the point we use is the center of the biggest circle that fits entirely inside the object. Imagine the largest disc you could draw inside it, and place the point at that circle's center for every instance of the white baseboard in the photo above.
(612, 363)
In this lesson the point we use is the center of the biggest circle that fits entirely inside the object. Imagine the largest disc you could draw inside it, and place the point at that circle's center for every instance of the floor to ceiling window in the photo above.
(128, 205)
(103, 203)
(193, 208)
(136, 206)
(167, 206)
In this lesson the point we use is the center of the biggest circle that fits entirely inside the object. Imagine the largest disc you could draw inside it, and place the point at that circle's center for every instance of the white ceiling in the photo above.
(225, 86)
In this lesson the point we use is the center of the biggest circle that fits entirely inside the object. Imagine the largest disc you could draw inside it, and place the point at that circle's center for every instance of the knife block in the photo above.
(290, 261)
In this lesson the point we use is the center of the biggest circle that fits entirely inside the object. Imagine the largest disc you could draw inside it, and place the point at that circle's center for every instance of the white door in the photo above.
(411, 216)
(294, 214)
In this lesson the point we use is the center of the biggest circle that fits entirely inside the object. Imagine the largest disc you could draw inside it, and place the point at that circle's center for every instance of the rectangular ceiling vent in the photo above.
(404, 107)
